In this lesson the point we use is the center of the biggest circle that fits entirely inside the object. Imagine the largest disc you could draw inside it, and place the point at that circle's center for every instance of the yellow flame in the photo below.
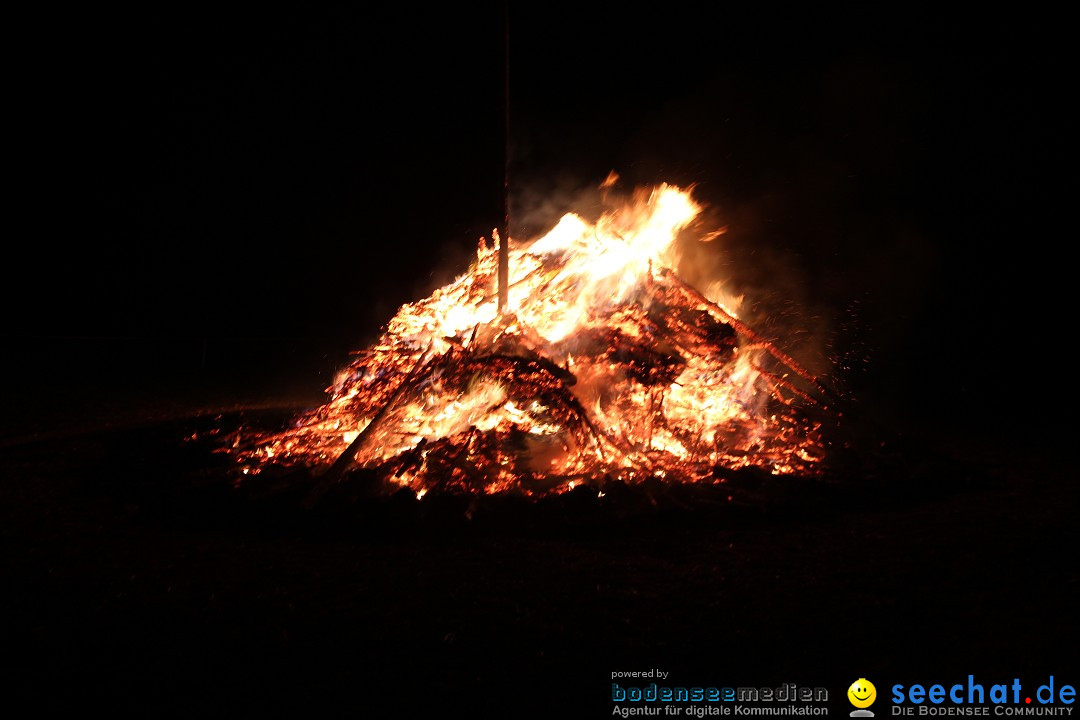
(575, 294)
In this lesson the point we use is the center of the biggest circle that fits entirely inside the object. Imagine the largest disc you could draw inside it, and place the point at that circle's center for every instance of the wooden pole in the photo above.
(504, 236)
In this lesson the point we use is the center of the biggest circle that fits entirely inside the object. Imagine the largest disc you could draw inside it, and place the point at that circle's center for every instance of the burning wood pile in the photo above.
(605, 365)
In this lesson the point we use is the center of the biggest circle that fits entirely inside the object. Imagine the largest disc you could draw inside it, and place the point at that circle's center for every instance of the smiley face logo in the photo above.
(862, 693)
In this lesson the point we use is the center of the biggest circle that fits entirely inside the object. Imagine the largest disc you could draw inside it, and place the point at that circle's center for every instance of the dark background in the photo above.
(213, 207)
(254, 194)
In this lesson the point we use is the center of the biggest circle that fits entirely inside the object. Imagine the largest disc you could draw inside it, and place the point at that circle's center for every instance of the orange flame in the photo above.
(605, 363)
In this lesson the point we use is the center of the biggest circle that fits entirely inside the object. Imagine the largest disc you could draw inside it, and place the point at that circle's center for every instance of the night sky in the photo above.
(220, 177)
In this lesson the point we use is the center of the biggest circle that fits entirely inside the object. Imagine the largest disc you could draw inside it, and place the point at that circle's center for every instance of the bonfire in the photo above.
(604, 364)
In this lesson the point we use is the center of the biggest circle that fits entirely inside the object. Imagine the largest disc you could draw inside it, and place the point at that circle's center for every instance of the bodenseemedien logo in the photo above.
(862, 694)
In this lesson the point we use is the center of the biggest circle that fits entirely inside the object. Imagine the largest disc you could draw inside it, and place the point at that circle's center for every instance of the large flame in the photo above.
(605, 363)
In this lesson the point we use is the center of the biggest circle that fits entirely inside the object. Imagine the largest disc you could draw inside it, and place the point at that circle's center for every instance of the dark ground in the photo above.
(216, 206)
(137, 581)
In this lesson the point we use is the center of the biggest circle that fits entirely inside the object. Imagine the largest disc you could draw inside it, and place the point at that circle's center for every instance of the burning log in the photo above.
(646, 362)
(346, 458)
(747, 332)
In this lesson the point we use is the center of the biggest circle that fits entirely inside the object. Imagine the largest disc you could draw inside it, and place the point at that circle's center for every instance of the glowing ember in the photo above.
(606, 363)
